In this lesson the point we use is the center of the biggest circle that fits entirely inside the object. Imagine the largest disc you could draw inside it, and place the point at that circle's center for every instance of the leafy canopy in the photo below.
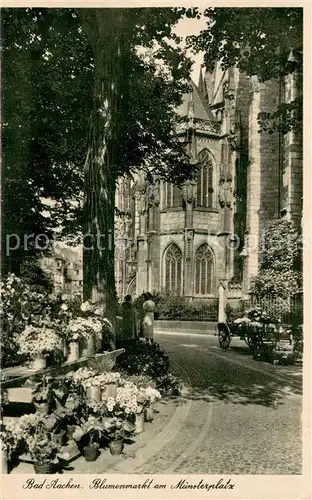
(46, 117)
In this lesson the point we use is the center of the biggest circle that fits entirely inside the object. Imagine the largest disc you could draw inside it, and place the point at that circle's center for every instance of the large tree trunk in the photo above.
(104, 30)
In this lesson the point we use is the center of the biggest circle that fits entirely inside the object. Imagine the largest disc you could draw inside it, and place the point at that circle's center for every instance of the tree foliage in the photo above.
(46, 119)
(267, 42)
(280, 261)
(46, 105)
(95, 105)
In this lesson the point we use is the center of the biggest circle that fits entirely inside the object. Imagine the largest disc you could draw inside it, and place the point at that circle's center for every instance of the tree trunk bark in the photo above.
(104, 30)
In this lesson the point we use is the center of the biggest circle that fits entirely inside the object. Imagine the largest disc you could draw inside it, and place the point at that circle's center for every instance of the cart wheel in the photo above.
(224, 335)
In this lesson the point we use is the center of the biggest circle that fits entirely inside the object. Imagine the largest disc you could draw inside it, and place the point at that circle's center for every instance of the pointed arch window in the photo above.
(205, 192)
(171, 196)
(203, 270)
(173, 269)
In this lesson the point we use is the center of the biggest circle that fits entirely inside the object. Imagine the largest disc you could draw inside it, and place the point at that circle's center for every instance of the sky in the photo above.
(187, 27)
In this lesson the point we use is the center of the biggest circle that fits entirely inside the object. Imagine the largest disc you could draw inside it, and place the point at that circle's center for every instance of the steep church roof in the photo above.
(201, 109)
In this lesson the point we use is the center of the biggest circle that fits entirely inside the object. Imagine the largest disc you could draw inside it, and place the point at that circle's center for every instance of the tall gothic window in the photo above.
(171, 196)
(203, 270)
(205, 180)
(173, 269)
(124, 198)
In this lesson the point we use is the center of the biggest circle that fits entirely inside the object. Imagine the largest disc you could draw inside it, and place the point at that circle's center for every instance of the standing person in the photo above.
(148, 318)
(129, 322)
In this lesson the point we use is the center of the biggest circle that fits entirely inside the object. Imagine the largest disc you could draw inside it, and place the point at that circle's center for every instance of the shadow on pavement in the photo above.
(269, 395)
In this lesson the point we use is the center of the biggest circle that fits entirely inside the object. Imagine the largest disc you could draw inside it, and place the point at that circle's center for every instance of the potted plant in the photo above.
(116, 430)
(151, 395)
(43, 449)
(39, 442)
(38, 343)
(90, 431)
(41, 396)
(92, 387)
(9, 440)
(109, 382)
(73, 334)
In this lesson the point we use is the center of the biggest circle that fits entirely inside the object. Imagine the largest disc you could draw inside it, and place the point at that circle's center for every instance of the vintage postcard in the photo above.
(156, 250)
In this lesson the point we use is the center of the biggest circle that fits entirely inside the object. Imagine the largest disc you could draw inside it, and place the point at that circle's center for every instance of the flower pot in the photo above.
(73, 354)
(39, 363)
(139, 423)
(109, 391)
(88, 347)
(90, 452)
(148, 414)
(94, 393)
(42, 408)
(4, 462)
(116, 446)
(44, 468)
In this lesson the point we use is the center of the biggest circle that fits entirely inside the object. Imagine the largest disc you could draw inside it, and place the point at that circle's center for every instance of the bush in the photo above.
(146, 362)
(144, 359)
(280, 273)
(233, 313)
(175, 307)
(297, 334)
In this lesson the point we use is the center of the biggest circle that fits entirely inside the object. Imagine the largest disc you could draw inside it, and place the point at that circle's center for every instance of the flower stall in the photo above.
(78, 404)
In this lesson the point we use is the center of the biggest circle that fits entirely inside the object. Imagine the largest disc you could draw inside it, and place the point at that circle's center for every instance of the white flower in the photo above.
(86, 306)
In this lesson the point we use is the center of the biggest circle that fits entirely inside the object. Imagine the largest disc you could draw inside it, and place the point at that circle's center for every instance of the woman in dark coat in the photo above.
(129, 322)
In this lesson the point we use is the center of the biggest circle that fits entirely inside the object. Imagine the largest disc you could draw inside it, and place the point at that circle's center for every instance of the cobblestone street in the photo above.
(245, 416)
(236, 416)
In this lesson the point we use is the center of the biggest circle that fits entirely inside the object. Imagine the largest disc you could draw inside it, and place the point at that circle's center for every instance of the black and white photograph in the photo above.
(153, 246)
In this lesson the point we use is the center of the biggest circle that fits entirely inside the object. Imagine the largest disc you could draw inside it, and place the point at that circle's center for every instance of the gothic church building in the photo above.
(187, 240)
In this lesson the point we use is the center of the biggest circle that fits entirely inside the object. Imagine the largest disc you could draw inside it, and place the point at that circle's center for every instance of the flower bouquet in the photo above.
(38, 343)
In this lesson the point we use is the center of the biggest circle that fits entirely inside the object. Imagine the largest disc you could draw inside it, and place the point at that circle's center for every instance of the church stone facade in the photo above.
(187, 240)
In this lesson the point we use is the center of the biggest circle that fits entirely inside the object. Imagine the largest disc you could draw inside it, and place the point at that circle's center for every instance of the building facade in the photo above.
(188, 240)
(64, 265)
